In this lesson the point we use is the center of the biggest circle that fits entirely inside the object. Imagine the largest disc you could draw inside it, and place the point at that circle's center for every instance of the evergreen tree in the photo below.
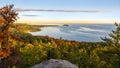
(114, 36)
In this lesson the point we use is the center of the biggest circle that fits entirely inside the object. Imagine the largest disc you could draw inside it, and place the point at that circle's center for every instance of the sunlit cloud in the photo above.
(53, 10)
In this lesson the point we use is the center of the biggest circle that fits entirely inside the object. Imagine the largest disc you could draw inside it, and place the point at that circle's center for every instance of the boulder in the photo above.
(55, 63)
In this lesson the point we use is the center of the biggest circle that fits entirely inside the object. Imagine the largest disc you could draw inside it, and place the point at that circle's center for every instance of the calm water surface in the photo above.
(78, 32)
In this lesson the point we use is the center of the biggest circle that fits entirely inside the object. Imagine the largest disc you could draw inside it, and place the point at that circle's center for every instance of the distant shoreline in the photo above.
(45, 25)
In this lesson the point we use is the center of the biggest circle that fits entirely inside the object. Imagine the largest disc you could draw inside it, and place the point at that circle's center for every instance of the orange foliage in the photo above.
(2, 20)
(4, 53)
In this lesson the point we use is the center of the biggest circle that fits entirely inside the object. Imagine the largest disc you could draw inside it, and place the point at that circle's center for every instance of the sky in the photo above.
(70, 11)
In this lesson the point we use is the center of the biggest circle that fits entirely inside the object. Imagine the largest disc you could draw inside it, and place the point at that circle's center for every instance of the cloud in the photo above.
(53, 10)
(31, 15)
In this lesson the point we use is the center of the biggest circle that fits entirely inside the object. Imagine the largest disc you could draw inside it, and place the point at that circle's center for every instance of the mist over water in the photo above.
(78, 32)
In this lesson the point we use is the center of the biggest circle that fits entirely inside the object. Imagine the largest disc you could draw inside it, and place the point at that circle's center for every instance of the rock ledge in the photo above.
(55, 63)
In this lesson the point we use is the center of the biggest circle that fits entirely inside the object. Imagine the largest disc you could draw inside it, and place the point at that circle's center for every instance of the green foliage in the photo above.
(112, 52)
(32, 54)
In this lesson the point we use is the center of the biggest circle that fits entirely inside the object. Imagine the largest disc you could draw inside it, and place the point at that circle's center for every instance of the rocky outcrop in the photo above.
(54, 63)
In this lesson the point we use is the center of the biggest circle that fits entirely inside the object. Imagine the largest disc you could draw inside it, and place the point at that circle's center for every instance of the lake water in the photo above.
(78, 32)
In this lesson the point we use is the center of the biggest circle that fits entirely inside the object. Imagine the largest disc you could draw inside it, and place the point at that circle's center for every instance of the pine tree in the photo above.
(114, 36)
(114, 48)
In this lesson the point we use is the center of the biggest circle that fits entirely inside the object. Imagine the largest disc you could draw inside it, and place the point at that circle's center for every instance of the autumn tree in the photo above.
(7, 17)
